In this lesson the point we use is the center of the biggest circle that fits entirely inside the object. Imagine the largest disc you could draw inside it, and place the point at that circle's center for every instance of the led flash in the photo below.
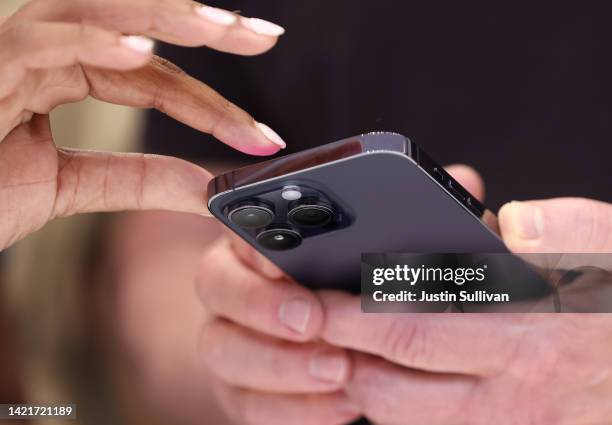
(291, 193)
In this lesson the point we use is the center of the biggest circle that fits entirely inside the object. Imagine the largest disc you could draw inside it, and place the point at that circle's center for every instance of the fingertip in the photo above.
(262, 27)
(138, 44)
(259, 140)
(271, 135)
(504, 221)
(469, 178)
(266, 150)
(559, 225)
(331, 365)
(252, 44)
(230, 32)
(301, 315)
(132, 52)
(521, 225)
(504, 214)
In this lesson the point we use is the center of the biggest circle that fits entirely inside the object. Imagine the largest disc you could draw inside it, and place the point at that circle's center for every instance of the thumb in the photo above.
(39, 182)
(557, 226)
(100, 181)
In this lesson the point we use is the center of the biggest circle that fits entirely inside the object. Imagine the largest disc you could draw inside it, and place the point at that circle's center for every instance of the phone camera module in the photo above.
(251, 215)
(279, 239)
(311, 213)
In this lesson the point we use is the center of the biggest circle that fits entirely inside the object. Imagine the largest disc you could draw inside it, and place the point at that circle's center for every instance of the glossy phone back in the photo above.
(392, 197)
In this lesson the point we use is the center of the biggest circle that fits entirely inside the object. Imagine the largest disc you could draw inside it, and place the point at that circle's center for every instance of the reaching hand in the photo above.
(59, 51)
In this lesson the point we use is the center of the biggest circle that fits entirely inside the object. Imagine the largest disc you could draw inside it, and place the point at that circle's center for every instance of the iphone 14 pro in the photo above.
(314, 213)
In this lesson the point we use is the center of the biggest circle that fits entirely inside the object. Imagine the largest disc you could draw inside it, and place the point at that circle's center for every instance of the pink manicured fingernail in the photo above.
(218, 16)
(271, 135)
(138, 43)
(295, 314)
(263, 27)
(329, 366)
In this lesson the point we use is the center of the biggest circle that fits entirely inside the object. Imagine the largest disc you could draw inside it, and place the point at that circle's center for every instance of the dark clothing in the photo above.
(519, 90)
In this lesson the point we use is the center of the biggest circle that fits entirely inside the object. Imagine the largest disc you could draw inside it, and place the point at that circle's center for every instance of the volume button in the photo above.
(472, 207)
(455, 191)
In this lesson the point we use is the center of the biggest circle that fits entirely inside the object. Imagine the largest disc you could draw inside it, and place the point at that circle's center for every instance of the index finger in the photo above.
(165, 87)
(230, 290)
(254, 259)
(181, 22)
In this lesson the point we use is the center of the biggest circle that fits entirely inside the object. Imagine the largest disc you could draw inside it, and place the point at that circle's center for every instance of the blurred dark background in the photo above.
(519, 90)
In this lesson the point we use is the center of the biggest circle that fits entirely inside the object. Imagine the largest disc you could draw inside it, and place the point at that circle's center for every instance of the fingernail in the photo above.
(138, 43)
(271, 135)
(528, 220)
(329, 366)
(218, 16)
(295, 314)
(263, 27)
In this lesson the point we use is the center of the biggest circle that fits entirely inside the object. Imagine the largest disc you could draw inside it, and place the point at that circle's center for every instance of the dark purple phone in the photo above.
(314, 212)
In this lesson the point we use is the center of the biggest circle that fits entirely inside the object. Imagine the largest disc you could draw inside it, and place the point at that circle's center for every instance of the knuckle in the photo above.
(211, 343)
(213, 259)
(406, 342)
(540, 356)
(161, 82)
(161, 21)
(225, 108)
(470, 406)
(249, 410)
(223, 112)
(252, 297)
(166, 66)
(68, 184)
(203, 294)
(364, 389)
(88, 34)
(15, 35)
(83, 31)
(375, 406)
(163, 14)
(231, 400)
(517, 402)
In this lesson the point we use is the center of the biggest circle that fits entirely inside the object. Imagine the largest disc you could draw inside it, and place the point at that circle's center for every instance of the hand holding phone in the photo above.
(261, 314)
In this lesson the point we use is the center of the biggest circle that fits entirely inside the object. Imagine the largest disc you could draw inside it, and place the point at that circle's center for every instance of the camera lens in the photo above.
(280, 239)
(311, 213)
(251, 215)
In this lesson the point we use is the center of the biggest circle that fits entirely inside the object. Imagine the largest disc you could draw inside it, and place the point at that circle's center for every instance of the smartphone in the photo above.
(314, 213)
